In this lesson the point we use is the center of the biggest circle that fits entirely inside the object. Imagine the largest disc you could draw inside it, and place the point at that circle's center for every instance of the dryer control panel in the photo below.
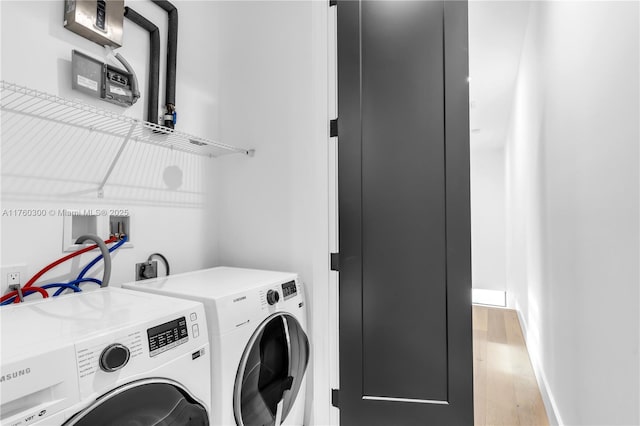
(289, 290)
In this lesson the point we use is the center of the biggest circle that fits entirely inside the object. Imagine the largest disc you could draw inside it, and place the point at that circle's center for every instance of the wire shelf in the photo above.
(33, 103)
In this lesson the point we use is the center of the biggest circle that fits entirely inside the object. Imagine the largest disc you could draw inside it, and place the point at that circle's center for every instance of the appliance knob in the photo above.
(272, 297)
(114, 357)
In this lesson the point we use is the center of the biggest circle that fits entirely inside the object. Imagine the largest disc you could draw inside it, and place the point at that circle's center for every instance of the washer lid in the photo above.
(271, 371)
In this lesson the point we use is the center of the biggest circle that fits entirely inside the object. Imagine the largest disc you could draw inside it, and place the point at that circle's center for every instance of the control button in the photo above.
(272, 297)
(114, 357)
(196, 330)
(194, 316)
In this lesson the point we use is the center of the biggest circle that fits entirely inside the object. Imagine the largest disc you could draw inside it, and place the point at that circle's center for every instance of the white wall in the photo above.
(488, 257)
(265, 71)
(273, 210)
(496, 34)
(42, 161)
(573, 207)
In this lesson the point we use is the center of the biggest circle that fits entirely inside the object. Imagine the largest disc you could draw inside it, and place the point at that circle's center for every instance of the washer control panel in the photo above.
(168, 335)
(289, 290)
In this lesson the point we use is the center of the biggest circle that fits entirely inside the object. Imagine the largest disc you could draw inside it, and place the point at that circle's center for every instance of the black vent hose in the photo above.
(154, 61)
(172, 53)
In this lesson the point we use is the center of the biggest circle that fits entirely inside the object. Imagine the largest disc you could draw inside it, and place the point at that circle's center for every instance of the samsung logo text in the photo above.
(14, 375)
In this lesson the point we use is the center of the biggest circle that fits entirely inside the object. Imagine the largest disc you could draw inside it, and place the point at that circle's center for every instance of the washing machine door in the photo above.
(271, 372)
(148, 402)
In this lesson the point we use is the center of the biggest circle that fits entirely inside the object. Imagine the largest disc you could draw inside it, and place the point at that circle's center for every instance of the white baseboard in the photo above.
(482, 296)
(547, 396)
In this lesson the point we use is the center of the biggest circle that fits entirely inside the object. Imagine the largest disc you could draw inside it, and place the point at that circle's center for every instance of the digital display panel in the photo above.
(289, 289)
(168, 335)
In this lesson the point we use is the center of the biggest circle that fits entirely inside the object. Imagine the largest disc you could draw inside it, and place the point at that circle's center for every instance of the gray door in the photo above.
(405, 274)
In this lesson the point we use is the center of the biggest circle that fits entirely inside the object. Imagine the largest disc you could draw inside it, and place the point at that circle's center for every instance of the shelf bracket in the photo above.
(115, 160)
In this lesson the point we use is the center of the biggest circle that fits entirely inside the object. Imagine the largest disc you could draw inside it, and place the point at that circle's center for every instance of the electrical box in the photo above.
(97, 20)
(101, 80)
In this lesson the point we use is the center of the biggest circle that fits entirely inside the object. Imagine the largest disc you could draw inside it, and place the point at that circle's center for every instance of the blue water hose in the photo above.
(73, 285)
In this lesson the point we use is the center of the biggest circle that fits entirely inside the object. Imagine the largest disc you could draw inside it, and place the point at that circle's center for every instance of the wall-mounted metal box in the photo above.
(101, 80)
(97, 20)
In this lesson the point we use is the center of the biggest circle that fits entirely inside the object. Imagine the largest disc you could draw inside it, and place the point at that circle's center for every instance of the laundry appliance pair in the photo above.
(258, 335)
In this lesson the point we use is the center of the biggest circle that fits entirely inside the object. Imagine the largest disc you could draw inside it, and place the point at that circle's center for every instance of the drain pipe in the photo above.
(154, 61)
(106, 256)
(172, 51)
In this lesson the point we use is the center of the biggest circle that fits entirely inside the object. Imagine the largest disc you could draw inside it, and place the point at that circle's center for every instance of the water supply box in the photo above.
(97, 20)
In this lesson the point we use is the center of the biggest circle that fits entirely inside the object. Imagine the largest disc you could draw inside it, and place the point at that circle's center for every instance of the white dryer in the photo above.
(108, 357)
(259, 344)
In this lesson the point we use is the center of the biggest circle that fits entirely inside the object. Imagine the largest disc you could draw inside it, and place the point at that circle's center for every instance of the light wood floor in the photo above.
(505, 389)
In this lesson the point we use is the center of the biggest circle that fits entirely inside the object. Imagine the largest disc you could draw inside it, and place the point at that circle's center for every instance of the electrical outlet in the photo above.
(146, 270)
(12, 275)
(13, 278)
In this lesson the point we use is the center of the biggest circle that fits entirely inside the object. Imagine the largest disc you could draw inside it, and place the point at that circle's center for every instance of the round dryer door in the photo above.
(149, 402)
(271, 372)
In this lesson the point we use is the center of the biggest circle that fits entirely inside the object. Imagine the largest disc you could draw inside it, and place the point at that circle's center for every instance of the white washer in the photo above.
(108, 357)
(259, 344)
